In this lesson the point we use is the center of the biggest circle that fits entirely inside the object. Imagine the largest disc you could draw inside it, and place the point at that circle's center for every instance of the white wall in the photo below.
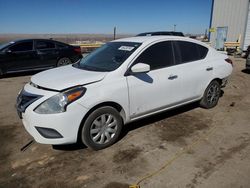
(232, 14)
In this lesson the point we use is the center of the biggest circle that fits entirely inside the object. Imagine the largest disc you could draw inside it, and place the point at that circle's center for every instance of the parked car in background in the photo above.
(246, 53)
(36, 54)
(157, 33)
(120, 82)
(248, 62)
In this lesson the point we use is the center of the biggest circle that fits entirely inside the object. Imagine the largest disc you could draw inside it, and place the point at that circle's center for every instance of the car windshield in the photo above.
(108, 57)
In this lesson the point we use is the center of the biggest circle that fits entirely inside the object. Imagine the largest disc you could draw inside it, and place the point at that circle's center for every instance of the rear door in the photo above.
(47, 53)
(192, 68)
(20, 56)
(159, 88)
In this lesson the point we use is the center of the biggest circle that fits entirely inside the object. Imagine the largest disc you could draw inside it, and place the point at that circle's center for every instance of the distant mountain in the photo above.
(67, 38)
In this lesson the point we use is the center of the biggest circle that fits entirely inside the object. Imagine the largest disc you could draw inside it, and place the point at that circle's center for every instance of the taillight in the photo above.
(78, 50)
(229, 61)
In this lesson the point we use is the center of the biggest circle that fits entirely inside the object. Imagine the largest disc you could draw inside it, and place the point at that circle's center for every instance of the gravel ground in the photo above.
(203, 148)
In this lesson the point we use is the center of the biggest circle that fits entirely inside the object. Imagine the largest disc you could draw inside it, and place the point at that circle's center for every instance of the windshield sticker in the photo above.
(126, 48)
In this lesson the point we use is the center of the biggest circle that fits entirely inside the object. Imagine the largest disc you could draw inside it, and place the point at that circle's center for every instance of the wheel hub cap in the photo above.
(213, 94)
(103, 129)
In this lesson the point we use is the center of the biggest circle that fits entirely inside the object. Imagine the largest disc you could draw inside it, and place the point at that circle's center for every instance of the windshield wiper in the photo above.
(90, 68)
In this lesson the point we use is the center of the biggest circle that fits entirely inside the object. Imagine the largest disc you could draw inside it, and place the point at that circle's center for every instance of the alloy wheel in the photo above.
(213, 94)
(63, 61)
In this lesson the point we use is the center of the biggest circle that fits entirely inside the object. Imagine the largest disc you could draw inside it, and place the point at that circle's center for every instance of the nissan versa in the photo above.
(122, 81)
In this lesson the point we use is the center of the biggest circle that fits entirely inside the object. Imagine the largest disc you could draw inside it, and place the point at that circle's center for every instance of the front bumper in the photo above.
(60, 128)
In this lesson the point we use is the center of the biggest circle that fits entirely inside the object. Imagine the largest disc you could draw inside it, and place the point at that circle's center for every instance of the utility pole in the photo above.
(114, 33)
(174, 27)
(205, 37)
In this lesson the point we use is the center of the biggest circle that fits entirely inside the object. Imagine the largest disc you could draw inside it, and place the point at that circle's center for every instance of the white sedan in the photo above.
(122, 81)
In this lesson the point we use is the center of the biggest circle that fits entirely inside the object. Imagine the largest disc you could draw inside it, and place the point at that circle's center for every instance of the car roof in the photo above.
(154, 33)
(23, 40)
(151, 39)
(34, 39)
(142, 39)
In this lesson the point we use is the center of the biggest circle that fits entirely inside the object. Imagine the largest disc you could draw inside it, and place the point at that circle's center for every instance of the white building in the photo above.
(230, 21)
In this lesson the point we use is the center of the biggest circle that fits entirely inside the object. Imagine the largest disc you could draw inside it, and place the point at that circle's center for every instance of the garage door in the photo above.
(247, 34)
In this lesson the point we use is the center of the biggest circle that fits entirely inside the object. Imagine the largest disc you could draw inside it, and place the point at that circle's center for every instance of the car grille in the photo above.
(24, 99)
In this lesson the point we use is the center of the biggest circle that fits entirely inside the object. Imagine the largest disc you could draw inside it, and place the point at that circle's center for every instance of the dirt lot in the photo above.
(203, 148)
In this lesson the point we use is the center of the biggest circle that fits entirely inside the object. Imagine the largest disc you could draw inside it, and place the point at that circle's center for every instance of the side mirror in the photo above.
(140, 68)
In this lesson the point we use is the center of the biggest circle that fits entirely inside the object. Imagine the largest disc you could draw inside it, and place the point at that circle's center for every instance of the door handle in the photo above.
(40, 53)
(209, 68)
(172, 77)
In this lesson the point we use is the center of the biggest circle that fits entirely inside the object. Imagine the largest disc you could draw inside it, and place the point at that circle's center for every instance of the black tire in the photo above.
(211, 95)
(1, 73)
(63, 61)
(104, 128)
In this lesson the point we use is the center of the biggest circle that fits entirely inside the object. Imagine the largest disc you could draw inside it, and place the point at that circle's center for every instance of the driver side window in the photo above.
(159, 55)
(22, 47)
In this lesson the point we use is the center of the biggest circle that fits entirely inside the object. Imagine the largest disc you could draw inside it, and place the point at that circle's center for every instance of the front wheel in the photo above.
(211, 95)
(102, 128)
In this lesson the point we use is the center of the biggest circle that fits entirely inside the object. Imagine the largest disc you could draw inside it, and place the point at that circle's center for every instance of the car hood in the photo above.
(65, 77)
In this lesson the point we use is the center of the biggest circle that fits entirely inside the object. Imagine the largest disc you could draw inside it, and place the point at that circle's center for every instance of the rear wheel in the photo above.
(63, 61)
(211, 95)
(1, 73)
(102, 128)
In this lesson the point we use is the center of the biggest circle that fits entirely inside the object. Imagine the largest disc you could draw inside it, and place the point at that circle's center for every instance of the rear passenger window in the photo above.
(59, 45)
(45, 45)
(203, 51)
(158, 56)
(187, 52)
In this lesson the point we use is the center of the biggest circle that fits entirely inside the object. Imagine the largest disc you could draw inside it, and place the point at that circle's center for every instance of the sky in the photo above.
(100, 16)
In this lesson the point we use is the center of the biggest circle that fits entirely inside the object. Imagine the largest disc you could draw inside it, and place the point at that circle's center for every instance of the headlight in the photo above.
(59, 102)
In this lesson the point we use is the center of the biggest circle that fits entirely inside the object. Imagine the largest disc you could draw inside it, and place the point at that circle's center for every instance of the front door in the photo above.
(221, 37)
(157, 89)
(20, 56)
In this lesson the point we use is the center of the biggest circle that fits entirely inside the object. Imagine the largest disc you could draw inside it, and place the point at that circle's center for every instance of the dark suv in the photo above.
(36, 54)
